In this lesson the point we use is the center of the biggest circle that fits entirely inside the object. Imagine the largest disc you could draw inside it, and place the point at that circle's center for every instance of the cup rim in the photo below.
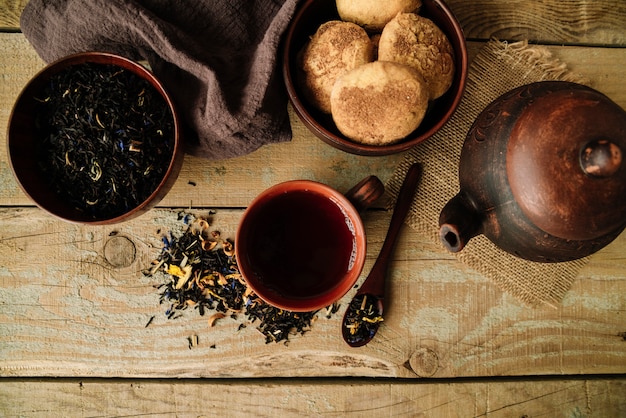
(333, 294)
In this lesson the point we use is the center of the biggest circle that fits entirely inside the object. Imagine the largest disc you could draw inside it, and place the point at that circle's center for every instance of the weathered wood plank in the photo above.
(602, 398)
(10, 12)
(66, 310)
(554, 21)
(18, 64)
(234, 183)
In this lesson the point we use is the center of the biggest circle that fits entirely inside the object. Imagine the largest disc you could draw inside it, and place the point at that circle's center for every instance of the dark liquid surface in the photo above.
(301, 244)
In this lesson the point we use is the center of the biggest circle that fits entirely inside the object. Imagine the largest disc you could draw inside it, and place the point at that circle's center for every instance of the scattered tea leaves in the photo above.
(200, 270)
(149, 321)
(193, 341)
(362, 319)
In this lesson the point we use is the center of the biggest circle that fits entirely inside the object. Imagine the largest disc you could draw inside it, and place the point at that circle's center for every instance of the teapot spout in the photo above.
(459, 221)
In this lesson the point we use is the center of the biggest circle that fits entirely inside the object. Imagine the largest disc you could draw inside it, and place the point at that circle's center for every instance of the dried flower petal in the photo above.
(208, 245)
(221, 280)
(183, 274)
(193, 341)
(203, 225)
(213, 318)
(229, 248)
(217, 284)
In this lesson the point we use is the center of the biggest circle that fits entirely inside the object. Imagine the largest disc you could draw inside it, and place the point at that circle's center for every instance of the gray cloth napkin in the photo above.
(218, 59)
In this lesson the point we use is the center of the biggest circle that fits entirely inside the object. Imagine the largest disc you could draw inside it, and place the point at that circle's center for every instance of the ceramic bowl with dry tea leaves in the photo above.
(94, 138)
(374, 124)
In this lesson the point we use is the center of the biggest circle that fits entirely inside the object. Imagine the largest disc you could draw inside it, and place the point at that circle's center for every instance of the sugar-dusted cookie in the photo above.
(336, 48)
(373, 15)
(416, 41)
(379, 103)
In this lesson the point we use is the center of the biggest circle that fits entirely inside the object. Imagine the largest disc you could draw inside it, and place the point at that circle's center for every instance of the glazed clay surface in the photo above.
(541, 174)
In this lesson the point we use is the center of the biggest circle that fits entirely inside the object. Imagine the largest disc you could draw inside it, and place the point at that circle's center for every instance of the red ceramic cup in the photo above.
(301, 244)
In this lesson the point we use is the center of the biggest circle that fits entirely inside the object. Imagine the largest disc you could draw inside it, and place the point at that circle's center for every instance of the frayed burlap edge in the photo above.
(498, 67)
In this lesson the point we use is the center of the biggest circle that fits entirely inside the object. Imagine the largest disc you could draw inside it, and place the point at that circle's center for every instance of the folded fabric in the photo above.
(217, 58)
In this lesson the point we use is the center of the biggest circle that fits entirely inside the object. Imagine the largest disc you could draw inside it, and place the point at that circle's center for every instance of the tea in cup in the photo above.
(301, 244)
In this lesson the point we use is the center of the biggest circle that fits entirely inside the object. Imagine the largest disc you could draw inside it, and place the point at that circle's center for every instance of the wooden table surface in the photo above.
(73, 333)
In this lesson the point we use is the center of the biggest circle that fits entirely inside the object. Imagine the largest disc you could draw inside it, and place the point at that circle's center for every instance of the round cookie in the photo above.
(379, 103)
(336, 48)
(373, 15)
(416, 41)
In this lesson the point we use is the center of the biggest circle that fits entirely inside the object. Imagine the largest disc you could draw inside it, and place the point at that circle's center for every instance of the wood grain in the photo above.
(554, 21)
(572, 22)
(73, 301)
(67, 310)
(10, 12)
(568, 397)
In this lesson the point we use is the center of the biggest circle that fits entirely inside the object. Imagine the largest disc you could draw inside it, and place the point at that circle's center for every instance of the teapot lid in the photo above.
(566, 161)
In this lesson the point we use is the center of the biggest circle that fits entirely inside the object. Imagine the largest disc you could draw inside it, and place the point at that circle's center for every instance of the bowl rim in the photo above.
(301, 107)
(136, 68)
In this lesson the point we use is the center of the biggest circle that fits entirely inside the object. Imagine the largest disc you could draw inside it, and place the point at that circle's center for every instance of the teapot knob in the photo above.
(601, 158)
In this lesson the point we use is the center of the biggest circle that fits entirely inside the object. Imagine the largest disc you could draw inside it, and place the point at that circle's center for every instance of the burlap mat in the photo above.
(498, 68)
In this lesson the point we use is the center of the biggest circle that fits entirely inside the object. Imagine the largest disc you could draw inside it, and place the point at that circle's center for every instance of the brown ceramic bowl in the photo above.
(309, 16)
(23, 141)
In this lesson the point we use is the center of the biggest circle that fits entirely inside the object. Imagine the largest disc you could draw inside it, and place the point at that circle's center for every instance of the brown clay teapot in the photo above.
(542, 174)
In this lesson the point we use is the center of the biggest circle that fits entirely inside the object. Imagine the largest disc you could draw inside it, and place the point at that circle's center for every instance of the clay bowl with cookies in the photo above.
(374, 78)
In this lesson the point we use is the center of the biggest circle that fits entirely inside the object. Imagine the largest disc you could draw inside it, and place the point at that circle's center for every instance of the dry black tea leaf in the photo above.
(106, 132)
(200, 270)
(362, 319)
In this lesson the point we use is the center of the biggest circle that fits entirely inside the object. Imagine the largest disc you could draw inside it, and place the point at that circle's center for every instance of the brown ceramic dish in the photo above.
(310, 15)
(22, 140)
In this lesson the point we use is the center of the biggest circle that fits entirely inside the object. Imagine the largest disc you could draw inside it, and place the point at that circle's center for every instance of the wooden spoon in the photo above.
(365, 312)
